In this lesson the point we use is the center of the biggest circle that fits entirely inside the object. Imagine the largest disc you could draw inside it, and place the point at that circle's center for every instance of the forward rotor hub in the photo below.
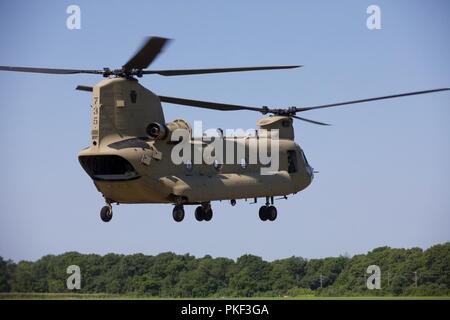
(107, 72)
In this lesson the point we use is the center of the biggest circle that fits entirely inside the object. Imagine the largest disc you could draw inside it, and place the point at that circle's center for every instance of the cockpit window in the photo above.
(304, 157)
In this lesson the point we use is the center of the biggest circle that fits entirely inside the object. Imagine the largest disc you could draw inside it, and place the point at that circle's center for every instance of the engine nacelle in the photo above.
(157, 131)
(164, 131)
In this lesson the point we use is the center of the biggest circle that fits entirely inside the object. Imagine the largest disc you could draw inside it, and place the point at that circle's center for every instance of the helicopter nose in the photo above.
(310, 171)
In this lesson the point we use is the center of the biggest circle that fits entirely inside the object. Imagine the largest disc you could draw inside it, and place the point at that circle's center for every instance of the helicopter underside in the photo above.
(201, 191)
(122, 176)
(194, 190)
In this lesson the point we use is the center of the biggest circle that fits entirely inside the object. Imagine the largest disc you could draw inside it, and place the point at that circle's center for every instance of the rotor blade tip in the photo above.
(294, 66)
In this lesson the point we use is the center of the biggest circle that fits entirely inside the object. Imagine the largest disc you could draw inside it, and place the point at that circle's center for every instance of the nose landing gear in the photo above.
(106, 213)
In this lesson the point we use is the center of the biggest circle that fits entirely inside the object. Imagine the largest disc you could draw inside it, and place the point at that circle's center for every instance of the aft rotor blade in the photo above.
(151, 48)
(183, 72)
(311, 121)
(49, 70)
(207, 104)
(369, 99)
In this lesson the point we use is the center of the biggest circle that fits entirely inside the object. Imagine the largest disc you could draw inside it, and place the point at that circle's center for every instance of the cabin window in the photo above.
(188, 164)
(243, 164)
(292, 161)
(217, 165)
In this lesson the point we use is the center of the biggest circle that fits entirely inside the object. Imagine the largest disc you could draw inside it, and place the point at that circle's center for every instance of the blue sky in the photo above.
(384, 175)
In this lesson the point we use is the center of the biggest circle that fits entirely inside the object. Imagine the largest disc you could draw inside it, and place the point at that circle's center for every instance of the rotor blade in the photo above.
(184, 72)
(84, 88)
(369, 99)
(311, 121)
(146, 54)
(49, 70)
(207, 105)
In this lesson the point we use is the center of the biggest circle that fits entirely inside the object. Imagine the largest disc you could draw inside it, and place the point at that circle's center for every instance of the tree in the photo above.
(286, 274)
(7, 268)
(250, 276)
(169, 274)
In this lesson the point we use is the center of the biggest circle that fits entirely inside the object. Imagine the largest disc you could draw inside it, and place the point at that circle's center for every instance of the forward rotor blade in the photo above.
(207, 105)
(49, 70)
(146, 54)
(311, 121)
(369, 99)
(84, 88)
(184, 72)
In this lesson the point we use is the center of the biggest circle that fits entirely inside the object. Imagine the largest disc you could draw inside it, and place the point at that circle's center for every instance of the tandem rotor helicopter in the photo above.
(129, 155)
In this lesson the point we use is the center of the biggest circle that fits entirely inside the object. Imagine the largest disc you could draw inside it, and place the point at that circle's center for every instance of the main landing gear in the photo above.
(178, 213)
(268, 211)
(204, 212)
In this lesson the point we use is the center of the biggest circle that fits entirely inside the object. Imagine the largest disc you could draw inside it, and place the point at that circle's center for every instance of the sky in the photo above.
(383, 166)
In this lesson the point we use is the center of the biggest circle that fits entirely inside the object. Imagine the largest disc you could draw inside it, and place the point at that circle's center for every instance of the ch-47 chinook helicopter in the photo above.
(129, 155)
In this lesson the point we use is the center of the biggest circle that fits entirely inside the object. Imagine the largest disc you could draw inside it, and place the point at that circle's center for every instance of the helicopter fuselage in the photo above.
(128, 166)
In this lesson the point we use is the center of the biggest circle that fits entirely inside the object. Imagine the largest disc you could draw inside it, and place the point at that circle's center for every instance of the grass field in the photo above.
(104, 296)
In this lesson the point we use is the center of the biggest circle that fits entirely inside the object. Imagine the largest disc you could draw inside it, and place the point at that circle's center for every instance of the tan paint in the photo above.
(116, 118)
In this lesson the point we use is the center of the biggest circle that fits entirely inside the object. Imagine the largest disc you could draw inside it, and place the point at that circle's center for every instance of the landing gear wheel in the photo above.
(178, 213)
(271, 213)
(208, 214)
(200, 213)
(203, 213)
(106, 213)
(263, 213)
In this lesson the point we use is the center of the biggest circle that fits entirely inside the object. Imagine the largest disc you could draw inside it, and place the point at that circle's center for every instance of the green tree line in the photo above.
(403, 272)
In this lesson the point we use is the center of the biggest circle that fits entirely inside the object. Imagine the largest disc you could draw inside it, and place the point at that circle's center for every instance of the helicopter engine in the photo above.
(160, 131)
(157, 131)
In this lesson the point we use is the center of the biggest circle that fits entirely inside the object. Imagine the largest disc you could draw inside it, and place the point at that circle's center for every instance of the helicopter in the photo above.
(130, 160)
